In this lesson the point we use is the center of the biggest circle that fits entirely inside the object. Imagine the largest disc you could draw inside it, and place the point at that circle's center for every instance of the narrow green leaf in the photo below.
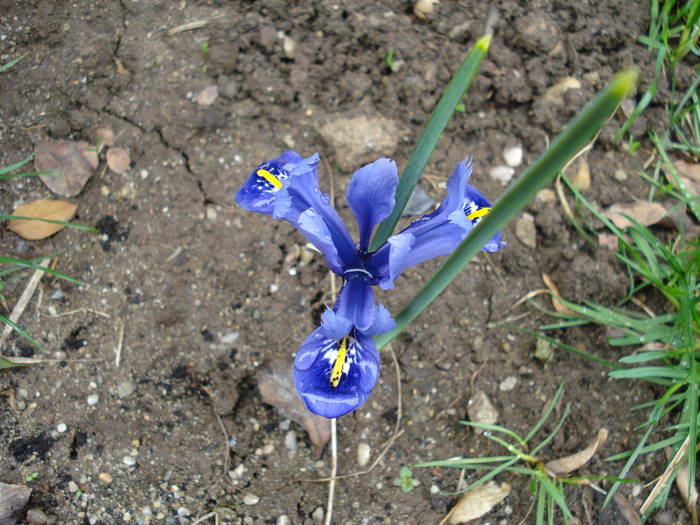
(21, 332)
(431, 133)
(32, 264)
(580, 131)
(16, 165)
(11, 63)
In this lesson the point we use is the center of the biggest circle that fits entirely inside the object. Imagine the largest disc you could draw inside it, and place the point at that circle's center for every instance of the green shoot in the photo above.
(522, 458)
(405, 481)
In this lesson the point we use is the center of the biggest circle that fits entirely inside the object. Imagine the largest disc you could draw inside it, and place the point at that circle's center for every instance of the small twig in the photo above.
(120, 345)
(334, 471)
(206, 517)
(24, 299)
(663, 479)
(81, 311)
(223, 429)
(197, 24)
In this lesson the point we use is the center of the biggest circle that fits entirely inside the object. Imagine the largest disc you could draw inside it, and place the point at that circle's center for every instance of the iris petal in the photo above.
(259, 191)
(371, 196)
(356, 301)
(312, 381)
(334, 326)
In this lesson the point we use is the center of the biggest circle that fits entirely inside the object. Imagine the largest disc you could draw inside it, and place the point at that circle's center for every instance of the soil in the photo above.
(184, 296)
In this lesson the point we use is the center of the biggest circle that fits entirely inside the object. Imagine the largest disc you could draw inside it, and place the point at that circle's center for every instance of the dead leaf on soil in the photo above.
(13, 498)
(276, 388)
(554, 291)
(90, 153)
(104, 136)
(53, 210)
(476, 502)
(625, 510)
(118, 160)
(72, 168)
(644, 212)
(565, 465)
(691, 500)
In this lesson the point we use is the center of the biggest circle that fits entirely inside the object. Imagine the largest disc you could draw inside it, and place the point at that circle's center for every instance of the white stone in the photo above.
(513, 156)
(364, 452)
(508, 384)
(93, 399)
(283, 520)
(251, 499)
(290, 443)
(129, 461)
(502, 174)
(61, 427)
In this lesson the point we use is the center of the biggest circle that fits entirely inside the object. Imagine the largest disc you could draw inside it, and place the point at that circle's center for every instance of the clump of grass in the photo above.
(521, 458)
(664, 345)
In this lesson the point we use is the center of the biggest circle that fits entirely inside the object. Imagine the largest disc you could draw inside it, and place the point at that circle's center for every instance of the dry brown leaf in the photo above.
(476, 502)
(13, 498)
(686, 169)
(118, 160)
(105, 136)
(207, 96)
(90, 153)
(554, 291)
(53, 210)
(565, 465)
(625, 510)
(72, 169)
(276, 387)
(691, 501)
(644, 212)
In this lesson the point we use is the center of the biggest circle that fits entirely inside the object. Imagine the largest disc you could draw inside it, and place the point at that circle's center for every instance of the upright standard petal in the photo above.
(371, 196)
(335, 376)
(259, 191)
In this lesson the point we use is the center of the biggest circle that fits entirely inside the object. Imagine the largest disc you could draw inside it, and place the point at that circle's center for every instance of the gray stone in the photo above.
(525, 230)
(359, 139)
(126, 388)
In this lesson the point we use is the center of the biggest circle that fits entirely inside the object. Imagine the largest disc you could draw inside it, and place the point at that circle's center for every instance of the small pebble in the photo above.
(318, 514)
(502, 174)
(283, 520)
(274, 287)
(61, 427)
(129, 460)
(418, 203)
(285, 424)
(105, 477)
(513, 156)
(620, 175)
(546, 195)
(525, 230)
(229, 338)
(183, 512)
(364, 452)
(93, 399)
(36, 517)
(126, 388)
(434, 489)
(290, 443)
(251, 499)
(72, 486)
(481, 410)
(508, 384)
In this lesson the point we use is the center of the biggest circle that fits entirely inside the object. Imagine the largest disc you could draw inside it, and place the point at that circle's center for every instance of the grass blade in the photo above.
(431, 133)
(580, 131)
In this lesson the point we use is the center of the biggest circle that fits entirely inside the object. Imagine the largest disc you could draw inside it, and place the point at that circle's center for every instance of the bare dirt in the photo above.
(184, 296)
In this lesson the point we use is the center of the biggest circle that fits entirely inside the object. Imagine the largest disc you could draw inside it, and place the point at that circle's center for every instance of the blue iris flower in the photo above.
(338, 365)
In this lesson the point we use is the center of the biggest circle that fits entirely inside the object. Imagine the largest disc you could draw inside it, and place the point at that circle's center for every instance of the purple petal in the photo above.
(334, 326)
(301, 203)
(356, 301)
(371, 196)
(259, 191)
(355, 384)
(381, 321)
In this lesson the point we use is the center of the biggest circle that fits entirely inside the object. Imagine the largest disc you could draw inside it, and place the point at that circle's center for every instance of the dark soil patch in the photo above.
(185, 277)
